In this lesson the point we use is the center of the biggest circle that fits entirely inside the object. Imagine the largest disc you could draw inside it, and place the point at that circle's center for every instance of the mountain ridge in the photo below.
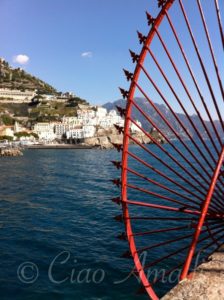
(151, 113)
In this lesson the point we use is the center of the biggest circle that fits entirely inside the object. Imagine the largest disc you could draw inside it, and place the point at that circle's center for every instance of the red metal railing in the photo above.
(172, 192)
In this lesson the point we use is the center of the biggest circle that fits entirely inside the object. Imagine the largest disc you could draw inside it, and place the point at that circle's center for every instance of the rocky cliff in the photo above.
(105, 139)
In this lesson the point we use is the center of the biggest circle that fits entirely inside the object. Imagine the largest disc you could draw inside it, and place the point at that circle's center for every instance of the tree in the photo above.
(7, 120)
(6, 137)
(22, 134)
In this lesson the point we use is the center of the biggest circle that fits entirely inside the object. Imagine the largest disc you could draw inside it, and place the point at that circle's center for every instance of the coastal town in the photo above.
(34, 114)
(88, 122)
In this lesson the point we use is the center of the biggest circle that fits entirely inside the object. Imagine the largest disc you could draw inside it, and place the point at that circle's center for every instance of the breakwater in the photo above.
(10, 152)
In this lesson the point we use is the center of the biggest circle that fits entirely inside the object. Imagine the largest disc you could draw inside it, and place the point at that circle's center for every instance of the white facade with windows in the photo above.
(81, 132)
(9, 95)
(101, 112)
(90, 121)
(61, 128)
(86, 114)
(45, 131)
(89, 131)
(71, 120)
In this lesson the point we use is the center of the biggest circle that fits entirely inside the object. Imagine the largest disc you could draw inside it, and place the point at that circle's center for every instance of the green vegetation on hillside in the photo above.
(19, 79)
(39, 109)
(7, 120)
(26, 134)
(44, 111)
(6, 137)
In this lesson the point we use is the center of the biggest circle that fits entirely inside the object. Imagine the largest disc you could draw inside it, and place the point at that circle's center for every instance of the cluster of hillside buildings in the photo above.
(84, 125)
(10, 95)
(15, 96)
(18, 96)
(12, 130)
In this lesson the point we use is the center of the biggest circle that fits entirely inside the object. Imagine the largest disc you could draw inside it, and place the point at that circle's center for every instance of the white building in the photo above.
(112, 113)
(68, 95)
(98, 116)
(110, 120)
(17, 127)
(6, 131)
(89, 131)
(90, 121)
(135, 128)
(86, 113)
(75, 133)
(45, 131)
(82, 126)
(101, 112)
(72, 120)
(81, 132)
(16, 96)
(48, 97)
(60, 129)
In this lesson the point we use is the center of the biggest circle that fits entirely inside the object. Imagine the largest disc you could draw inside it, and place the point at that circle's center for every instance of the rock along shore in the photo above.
(207, 281)
(10, 152)
(105, 140)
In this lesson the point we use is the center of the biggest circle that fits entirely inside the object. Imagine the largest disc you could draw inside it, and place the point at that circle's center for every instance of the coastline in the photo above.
(59, 146)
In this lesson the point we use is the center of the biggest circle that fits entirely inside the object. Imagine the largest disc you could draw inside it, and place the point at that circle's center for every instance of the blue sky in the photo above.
(55, 33)
(82, 45)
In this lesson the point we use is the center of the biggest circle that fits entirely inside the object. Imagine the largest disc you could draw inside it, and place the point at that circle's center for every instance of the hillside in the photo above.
(148, 109)
(45, 111)
(19, 79)
(39, 109)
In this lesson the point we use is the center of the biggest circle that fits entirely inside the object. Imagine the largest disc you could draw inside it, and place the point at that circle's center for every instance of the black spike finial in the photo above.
(119, 147)
(122, 236)
(122, 111)
(135, 57)
(141, 37)
(124, 93)
(126, 254)
(119, 128)
(128, 75)
(161, 3)
(116, 182)
(117, 164)
(118, 218)
(117, 200)
(150, 19)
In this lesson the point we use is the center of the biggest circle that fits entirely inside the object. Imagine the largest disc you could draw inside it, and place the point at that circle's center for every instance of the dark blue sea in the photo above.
(57, 232)
(57, 228)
